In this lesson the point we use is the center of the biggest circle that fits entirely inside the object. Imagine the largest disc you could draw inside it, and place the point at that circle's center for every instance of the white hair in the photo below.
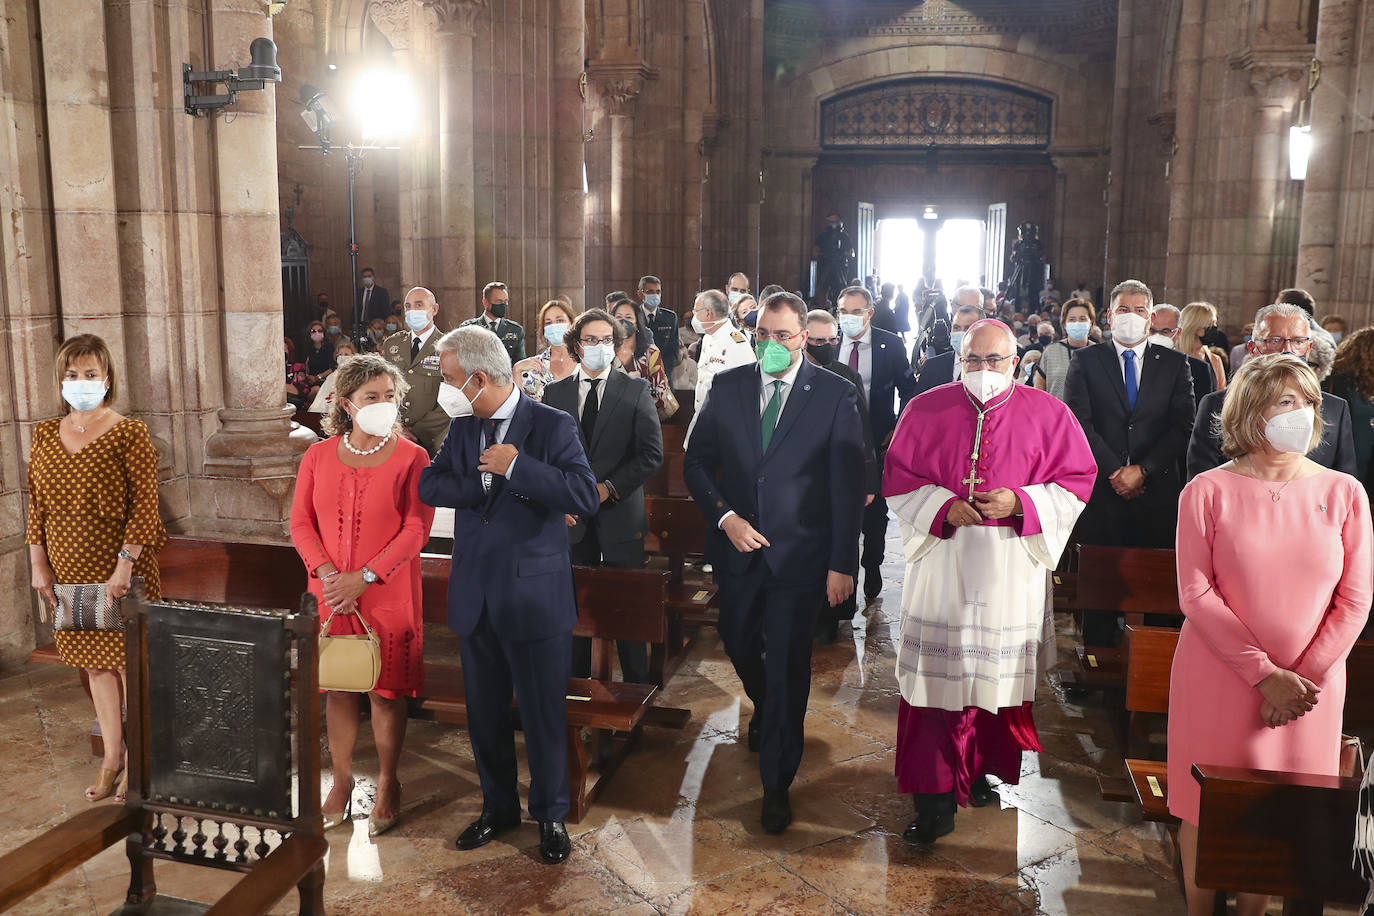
(954, 299)
(1281, 310)
(715, 302)
(1166, 307)
(478, 350)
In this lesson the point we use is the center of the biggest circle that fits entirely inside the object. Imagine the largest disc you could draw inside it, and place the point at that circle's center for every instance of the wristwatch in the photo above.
(369, 576)
(125, 555)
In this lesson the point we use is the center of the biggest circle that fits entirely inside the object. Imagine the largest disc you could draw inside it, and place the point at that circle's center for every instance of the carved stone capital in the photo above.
(1277, 75)
(619, 82)
(1163, 121)
(392, 19)
(457, 15)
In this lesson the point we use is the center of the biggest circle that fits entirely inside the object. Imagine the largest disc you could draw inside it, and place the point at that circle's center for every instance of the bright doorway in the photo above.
(960, 252)
(901, 246)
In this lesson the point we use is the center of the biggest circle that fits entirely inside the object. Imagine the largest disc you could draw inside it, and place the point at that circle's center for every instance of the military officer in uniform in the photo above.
(412, 351)
(495, 304)
(723, 346)
(662, 322)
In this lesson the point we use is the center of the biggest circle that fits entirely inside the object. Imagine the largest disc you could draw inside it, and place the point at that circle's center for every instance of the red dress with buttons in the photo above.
(373, 517)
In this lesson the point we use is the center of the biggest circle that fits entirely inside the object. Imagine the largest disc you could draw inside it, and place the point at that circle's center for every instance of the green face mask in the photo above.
(772, 356)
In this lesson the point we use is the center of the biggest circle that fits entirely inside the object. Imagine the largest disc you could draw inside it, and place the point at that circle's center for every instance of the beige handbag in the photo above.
(349, 663)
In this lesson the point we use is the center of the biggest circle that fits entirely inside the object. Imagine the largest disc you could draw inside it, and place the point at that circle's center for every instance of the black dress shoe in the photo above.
(828, 631)
(980, 793)
(554, 844)
(873, 585)
(934, 819)
(777, 811)
(485, 829)
(755, 732)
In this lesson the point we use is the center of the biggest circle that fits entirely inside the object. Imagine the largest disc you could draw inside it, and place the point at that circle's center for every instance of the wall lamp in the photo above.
(260, 71)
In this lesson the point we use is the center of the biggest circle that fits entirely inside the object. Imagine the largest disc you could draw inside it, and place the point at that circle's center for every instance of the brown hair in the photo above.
(573, 339)
(351, 376)
(1355, 361)
(85, 345)
(493, 285)
(1258, 384)
(556, 304)
(1078, 304)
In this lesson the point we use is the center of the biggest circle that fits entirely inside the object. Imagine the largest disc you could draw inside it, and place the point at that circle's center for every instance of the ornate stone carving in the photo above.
(1077, 20)
(925, 112)
(1277, 75)
(619, 82)
(457, 15)
(392, 19)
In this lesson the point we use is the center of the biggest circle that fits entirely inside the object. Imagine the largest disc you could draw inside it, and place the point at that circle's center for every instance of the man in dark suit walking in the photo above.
(662, 322)
(1135, 403)
(775, 465)
(514, 470)
(370, 301)
(881, 361)
(1279, 328)
(619, 426)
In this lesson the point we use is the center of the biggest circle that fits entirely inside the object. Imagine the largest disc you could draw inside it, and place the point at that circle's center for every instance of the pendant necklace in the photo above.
(361, 453)
(1274, 495)
(82, 429)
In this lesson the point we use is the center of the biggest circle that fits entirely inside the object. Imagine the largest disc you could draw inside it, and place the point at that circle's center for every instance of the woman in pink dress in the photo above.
(358, 523)
(1275, 561)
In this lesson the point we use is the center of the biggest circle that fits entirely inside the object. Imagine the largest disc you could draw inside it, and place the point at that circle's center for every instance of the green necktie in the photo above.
(770, 414)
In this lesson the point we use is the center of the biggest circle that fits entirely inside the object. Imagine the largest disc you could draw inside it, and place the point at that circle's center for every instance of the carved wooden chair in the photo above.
(224, 767)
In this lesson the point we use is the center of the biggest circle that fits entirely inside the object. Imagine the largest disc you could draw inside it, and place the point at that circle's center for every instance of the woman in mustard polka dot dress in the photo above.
(93, 518)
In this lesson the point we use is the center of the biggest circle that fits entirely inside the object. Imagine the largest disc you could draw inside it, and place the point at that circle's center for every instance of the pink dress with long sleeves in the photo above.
(373, 517)
(1264, 584)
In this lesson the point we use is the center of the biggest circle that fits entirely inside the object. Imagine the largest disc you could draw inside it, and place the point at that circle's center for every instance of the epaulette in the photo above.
(737, 337)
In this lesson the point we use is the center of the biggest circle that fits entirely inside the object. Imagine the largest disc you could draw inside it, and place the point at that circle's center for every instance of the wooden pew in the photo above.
(1284, 834)
(677, 531)
(668, 480)
(687, 401)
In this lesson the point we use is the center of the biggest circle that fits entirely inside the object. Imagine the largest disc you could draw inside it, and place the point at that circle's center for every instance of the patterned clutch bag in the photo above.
(86, 607)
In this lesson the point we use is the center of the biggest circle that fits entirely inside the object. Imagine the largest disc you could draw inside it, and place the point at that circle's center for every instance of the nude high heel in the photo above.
(103, 785)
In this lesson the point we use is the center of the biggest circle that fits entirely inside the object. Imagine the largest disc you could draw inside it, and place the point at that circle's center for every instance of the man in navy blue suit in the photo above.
(776, 466)
(514, 470)
(881, 361)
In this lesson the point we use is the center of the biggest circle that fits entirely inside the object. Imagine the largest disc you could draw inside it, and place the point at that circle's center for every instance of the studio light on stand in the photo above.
(383, 105)
(1300, 140)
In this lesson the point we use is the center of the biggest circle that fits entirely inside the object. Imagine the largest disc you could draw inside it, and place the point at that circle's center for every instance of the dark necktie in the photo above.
(414, 347)
(854, 355)
(1132, 384)
(491, 481)
(589, 410)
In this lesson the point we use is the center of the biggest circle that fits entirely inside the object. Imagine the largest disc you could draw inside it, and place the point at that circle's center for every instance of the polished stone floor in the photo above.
(677, 829)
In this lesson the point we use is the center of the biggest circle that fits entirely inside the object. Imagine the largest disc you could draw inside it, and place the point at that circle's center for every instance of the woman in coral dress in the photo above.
(358, 523)
(1275, 562)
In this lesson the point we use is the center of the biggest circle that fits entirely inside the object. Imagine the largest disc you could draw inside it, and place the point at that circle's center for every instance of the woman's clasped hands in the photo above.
(1287, 696)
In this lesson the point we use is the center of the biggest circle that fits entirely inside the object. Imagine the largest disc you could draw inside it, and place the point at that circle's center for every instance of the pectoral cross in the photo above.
(973, 479)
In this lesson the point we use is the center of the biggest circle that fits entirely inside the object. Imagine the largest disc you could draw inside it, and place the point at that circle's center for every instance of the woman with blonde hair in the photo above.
(93, 517)
(552, 363)
(1275, 564)
(1197, 330)
(358, 524)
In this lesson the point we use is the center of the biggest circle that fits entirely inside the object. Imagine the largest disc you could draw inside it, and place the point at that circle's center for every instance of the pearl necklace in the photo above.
(82, 429)
(360, 452)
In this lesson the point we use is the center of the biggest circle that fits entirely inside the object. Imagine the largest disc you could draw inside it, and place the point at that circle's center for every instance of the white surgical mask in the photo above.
(376, 419)
(84, 393)
(1160, 340)
(1077, 330)
(453, 401)
(734, 296)
(1129, 329)
(985, 384)
(417, 319)
(554, 333)
(852, 325)
(597, 357)
(1291, 432)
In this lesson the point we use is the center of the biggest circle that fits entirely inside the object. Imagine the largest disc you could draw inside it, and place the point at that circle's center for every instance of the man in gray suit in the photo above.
(624, 446)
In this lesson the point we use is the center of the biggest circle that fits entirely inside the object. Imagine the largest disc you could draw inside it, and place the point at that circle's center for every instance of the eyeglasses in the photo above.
(859, 314)
(977, 362)
(781, 337)
(822, 341)
(1278, 343)
(593, 341)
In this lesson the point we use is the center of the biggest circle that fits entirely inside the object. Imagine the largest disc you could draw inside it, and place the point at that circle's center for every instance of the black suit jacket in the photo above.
(1204, 379)
(873, 472)
(663, 322)
(1154, 435)
(803, 494)
(626, 449)
(891, 378)
(378, 304)
(1335, 451)
(936, 371)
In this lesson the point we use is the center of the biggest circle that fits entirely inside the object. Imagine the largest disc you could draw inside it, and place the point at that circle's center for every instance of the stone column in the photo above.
(255, 441)
(1181, 172)
(619, 84)
(455, 287)
(1337, 38)
(393, 19)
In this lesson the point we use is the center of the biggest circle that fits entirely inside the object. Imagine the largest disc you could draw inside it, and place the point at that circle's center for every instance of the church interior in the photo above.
(1217, 150)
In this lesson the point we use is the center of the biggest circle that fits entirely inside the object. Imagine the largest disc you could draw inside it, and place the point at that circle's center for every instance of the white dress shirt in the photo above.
(584, 387)
(1139, 350)
(422, 337)
(865, 344)
(788, 379)
(503, 416)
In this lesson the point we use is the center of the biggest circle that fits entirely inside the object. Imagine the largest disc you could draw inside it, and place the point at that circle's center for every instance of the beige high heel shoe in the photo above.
(103, 785)
(333, 820)
(376, 826)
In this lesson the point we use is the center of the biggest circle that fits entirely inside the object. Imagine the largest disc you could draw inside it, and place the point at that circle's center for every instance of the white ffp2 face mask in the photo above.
(1291, 432)
(376, 419)
(985, 384)
(1129, 329)
(453, 401)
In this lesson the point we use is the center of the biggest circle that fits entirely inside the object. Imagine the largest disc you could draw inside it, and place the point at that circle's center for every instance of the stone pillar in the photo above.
(393, 19)
(456, 285)
(255, 441)
(1181, 172)
(1337, 38)
(619, 84)
(569, 53)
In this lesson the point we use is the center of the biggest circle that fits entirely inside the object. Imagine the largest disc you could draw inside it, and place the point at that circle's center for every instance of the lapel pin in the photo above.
(806, 387)
(1323, 508)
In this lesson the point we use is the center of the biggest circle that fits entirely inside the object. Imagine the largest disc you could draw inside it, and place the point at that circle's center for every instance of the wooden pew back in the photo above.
(1287, 834)
(1125, 579)
(220, 572)
(676, 528)
(668, 479)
